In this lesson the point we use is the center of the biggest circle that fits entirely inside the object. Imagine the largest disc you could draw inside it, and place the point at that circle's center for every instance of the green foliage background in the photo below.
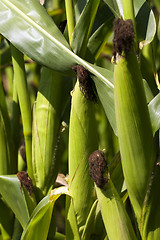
(49, 129)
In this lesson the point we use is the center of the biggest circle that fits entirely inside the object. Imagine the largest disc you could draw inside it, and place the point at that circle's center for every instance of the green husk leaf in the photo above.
(89, 222)
(114, 213)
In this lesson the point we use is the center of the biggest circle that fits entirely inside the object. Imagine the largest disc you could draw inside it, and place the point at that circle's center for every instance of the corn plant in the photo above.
(79, 117)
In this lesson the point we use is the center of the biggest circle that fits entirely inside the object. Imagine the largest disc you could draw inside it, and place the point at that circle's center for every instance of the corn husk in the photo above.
(46, 127)
(115, 218)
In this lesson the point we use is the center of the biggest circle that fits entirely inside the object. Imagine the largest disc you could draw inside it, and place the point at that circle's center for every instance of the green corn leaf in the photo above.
(17, 230)
(134, 129)
(41, 216)
(5, 53)
(24, 102)
(37, 33)
(115, 169)
(72, 231)
(148, 92)
(150, 220)
(148, 66)
(113, 5)
(66, 58)
(83, 27)
(82, 142)
(89, 222)
(6, 163)
(106, 91)
(98, 40)
(154, 112)
(59, 236)
(98, 231)
(78, 8)
(13, 194)
(114, 213)
(157, 4)
(6, 224)
(31, 15)
(146, 25)
(5, 157)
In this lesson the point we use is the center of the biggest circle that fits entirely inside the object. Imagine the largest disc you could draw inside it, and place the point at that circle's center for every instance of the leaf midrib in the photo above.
(58, 43)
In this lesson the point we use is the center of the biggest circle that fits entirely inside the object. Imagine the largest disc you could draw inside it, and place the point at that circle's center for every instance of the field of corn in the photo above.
(79, 120)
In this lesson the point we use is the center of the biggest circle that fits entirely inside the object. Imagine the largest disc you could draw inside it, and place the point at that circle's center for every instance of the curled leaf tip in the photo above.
(123, 36)
(98, 168)
(26, 181)
(57, 192)
(85, 83)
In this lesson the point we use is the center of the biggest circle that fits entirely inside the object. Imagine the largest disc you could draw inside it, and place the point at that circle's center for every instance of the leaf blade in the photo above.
(11, 191)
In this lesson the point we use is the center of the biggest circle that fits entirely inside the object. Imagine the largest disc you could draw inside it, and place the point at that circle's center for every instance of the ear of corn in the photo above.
(134, 129)
(82, 142)
(46, 127)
